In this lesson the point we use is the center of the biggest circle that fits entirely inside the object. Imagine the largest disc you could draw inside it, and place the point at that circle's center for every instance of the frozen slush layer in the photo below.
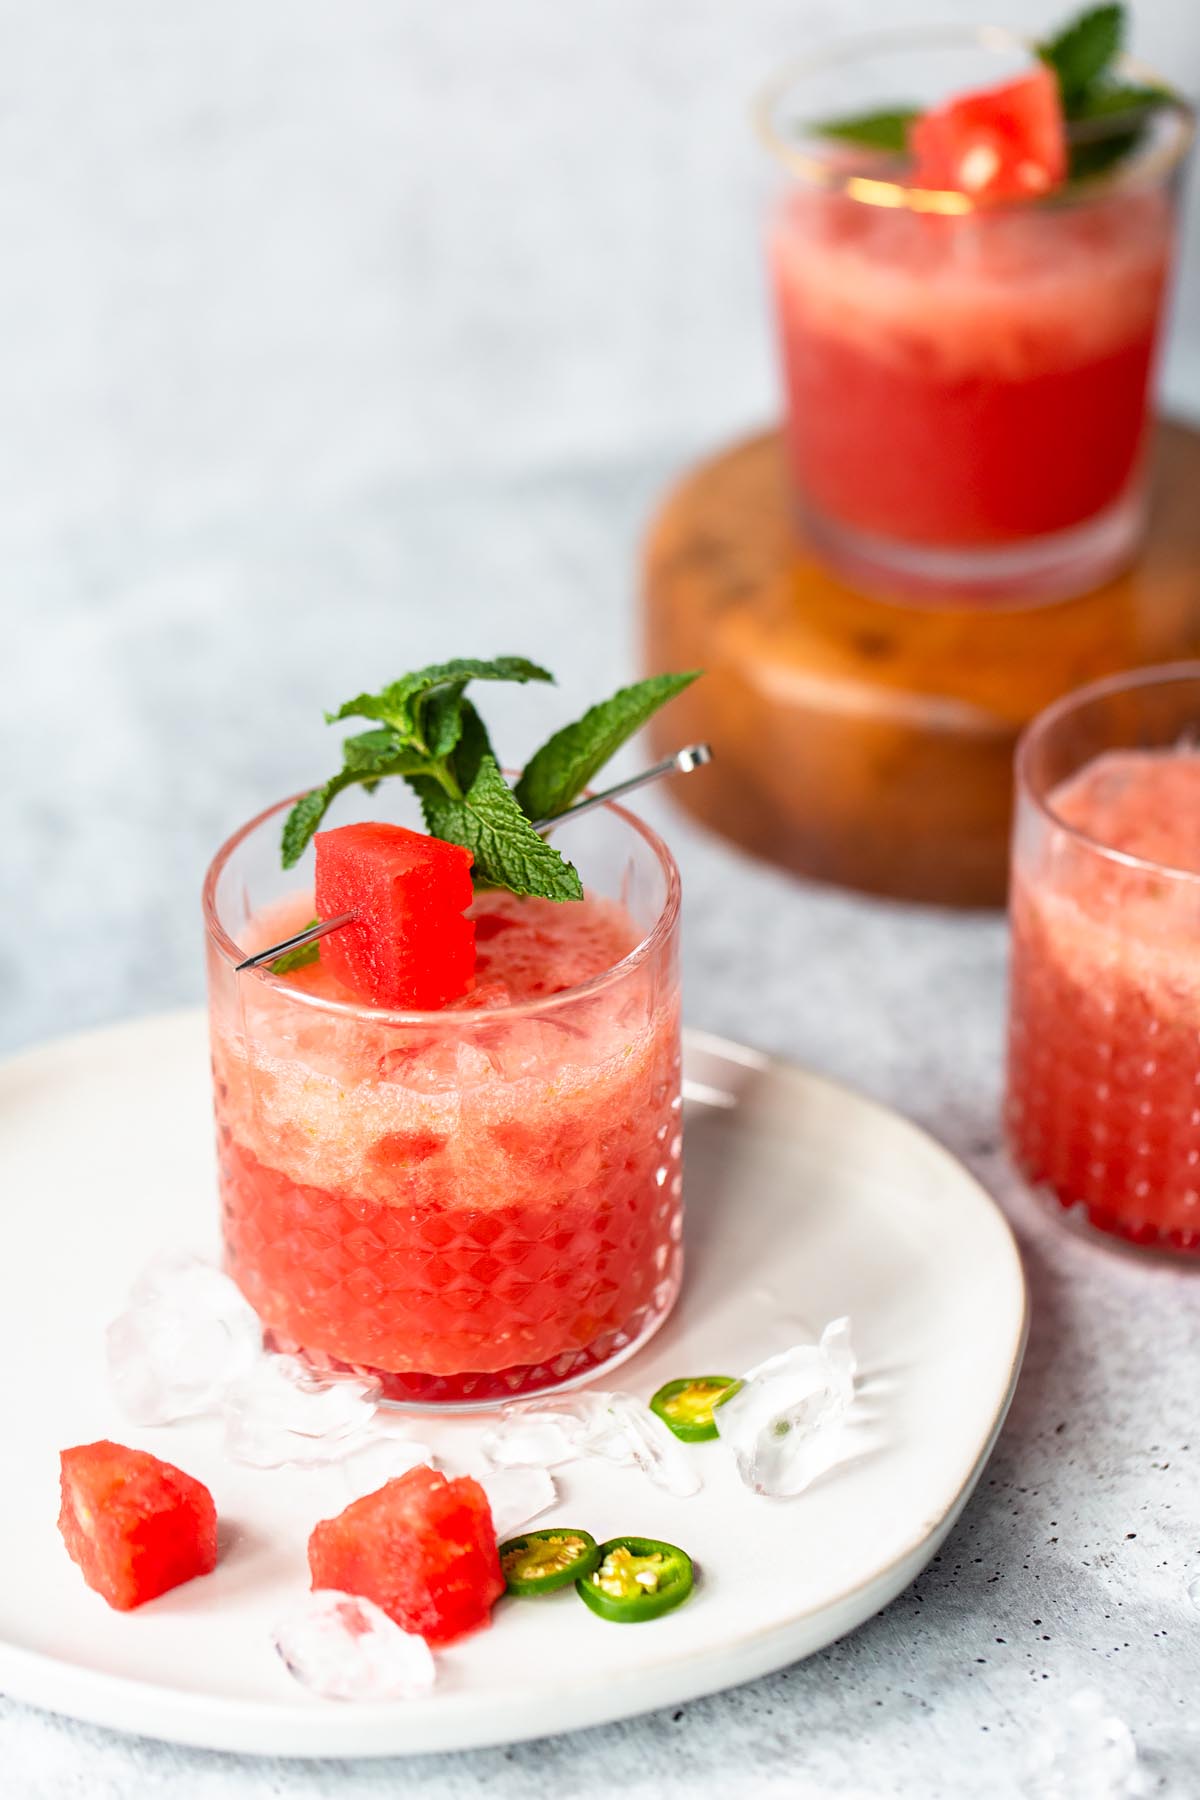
(1100, 920)
(1143, 802)
(341, 1103)
(1006, 294)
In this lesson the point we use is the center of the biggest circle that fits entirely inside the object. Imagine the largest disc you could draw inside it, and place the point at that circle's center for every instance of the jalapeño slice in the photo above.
(636, 1578)
(687, 1405)
(542, 1561)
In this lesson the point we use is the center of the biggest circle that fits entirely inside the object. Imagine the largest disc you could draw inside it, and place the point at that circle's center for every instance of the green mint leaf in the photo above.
(300, 957)
(368, 758)
(1082, 51)
(566, 763)
(441, 718)
(303, 820)
(886, 129)
(1115, 99)
(1108, 123)
(397, 705)
(487, 819)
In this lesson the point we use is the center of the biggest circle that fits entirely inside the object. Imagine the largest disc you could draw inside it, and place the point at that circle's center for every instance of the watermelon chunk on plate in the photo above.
(409, 945)
(1002, 143)
(421, 1547)
(136, 1526)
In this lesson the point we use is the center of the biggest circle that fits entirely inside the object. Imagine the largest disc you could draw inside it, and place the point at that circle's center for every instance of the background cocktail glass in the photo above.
(473, 1204)
(1103, 1104)
(967, 386)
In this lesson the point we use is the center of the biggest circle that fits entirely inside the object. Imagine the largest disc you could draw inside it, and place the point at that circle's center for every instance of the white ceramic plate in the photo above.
(804, 1202)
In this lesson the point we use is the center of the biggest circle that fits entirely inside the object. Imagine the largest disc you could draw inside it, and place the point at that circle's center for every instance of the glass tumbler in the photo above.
(967, 385)
(473, 1203)
(1103, 1102)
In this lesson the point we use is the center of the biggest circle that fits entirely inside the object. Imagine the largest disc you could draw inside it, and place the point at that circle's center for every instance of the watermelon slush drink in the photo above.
(476, 1202)
(967, 383)
(1103, 1105)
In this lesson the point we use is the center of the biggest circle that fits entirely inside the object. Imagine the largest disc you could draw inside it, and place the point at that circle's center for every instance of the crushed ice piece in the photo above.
(635, 1435)
(185, 1336)
(382, 1459)
(1084, 1752)
(515, 1496)
(283, 1412)
(346, 1648)
(784, 1425)
(620, 1428)
(1193, 1592)
(540, 1434)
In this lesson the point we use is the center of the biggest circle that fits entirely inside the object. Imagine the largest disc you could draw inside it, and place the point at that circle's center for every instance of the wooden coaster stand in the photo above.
(863, 742)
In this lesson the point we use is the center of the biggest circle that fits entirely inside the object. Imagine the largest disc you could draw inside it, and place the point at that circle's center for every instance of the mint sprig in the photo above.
(427, 732)
(1083, 51)
(886, 128)
(1094, 99)
(300, 957)
(566, 763)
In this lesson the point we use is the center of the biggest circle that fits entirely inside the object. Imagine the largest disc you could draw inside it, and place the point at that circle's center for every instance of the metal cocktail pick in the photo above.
(682, 763)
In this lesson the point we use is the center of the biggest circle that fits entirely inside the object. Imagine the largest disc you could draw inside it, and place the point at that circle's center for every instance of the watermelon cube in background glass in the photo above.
(968, 342)
(135, 1525)
(471, 1202)
(1104, 1055)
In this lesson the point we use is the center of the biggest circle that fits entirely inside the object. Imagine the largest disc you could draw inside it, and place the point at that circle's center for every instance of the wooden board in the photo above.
(868, 743)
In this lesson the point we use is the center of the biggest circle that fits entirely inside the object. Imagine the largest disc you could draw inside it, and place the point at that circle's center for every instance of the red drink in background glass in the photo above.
(967, 385)
(968, 382)
(1103, 1106)
(476, 1202)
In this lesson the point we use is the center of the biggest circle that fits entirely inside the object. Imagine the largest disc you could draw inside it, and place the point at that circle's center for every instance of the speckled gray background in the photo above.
(337, 337)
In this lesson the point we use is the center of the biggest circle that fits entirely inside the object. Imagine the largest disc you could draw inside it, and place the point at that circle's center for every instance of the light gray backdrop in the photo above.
(337, 337)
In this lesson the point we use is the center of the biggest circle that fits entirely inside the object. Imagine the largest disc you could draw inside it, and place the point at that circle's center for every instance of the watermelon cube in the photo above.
(1002, 143)
(421, 1547)
(408, 945)
(136, 1526)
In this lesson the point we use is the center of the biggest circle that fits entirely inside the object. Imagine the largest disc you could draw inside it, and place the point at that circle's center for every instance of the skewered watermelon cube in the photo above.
(136, 1526)
(1003, 143)
(421, 1547)
(409, 945)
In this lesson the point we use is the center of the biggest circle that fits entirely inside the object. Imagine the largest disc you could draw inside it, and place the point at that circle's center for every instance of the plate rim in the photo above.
(131, 1705)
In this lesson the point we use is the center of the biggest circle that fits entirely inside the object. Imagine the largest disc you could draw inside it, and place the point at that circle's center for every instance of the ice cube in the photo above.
(382, 1459)
(515, 1496)
(186, 1335)
(284, 1412)
(540, 1434)
(346, 1648)
(634, 1435)
(784, 1425)
(1084, 1752)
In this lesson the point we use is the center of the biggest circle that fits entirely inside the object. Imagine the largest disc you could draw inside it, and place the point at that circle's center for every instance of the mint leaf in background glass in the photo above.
(558, 772)
(886, 129)
(1082, 51)
(300, 957)
(1107, 123)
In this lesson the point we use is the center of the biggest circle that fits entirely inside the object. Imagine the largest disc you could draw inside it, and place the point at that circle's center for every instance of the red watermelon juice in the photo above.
(1103, 1107)
(968, 329)
(478, 1200)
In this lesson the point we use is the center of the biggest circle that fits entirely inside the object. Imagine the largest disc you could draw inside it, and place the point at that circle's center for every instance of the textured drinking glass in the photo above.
(1103, 1106)
(469, 1203)
(967, 386)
